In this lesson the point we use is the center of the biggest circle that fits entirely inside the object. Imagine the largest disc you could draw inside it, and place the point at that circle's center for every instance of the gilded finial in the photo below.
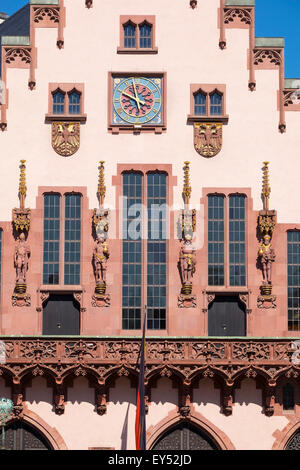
(101, 184)
(22, 184)
(266, 189)
(187, 189)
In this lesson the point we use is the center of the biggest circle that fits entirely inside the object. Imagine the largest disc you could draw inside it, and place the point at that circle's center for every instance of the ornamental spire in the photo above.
(101, 184)
(22, 184)
(266, 189)
(187, 189)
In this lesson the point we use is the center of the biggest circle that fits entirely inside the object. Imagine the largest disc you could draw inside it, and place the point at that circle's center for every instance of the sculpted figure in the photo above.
(267, 256)
(187, 262)
(100, 257)
(22, 253)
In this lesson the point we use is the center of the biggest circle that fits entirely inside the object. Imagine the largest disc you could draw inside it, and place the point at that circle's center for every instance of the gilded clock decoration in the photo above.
(137, 100)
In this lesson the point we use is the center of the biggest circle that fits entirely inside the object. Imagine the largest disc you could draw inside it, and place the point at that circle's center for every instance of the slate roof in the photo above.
(16, 25)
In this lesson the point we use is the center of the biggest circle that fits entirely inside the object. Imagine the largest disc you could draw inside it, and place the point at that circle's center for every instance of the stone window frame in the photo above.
(137, 21)
(66, 89)
(207, 90)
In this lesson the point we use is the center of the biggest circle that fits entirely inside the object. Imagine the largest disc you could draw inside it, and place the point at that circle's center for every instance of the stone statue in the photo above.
(22, 253)
(267, 257)
(187, 262)
(100, 257)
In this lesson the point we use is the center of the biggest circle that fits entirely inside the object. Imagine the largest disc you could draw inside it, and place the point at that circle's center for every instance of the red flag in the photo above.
(140, 419)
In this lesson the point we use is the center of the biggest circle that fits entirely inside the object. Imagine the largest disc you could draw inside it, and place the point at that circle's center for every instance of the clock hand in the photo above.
(136, 95)
(134, 98)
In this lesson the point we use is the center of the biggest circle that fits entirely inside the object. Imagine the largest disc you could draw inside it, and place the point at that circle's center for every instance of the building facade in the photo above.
(148, 166)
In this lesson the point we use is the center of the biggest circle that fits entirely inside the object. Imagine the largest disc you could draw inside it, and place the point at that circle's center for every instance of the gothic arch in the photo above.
(50, 433)
(198, 420)
(283, 436)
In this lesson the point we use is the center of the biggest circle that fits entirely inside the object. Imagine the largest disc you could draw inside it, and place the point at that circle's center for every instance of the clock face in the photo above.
(137, 100)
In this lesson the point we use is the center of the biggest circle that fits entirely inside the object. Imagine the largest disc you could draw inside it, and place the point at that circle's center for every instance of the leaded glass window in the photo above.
(74, 102)
(72, 238)
(129, 35)
(51, 239)
(215, 104)
(200, 104)
(288, 399)
(293, 253)
(132, 251)
(237, 247)
(145, 36)
(156, 250)
(216, 240)
(58, 102)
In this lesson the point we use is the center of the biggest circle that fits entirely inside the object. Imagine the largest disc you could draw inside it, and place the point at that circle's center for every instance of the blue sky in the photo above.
(273, 18)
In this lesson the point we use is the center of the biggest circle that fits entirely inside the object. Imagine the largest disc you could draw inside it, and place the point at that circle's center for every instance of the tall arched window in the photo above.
(216, 104)
(200, 103)
(129, 35)
(58, 102)
(145, 35)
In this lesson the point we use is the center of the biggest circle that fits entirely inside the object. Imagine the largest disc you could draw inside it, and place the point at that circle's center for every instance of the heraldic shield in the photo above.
(207, 138)
(65, 138)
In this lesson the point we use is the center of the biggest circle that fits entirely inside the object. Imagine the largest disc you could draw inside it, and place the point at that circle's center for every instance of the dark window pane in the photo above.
(74, 102)
(72, 238)
(51, 239)
(216, 240)
(293, 271)
(145, 36)
(215, 104)
(200, 103)
(58, 102)
(129, 35)
(237, 246)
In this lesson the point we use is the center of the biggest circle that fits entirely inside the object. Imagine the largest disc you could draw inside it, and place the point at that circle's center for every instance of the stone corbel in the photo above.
(185, 399)
(59, 397)
(227, 397)
(193, 4)
(270, 394)
(208, 298)
(17, 398)
(89, 3)
(42, 297)
(78, 296)
(101, 396)
(50, 16)
(245, 298)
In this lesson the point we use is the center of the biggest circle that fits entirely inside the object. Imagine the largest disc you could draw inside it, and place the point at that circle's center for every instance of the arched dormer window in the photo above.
(58, 102)
(145, 30)
(74, 101)
(129, 35)
(215, 103)
(200, 103)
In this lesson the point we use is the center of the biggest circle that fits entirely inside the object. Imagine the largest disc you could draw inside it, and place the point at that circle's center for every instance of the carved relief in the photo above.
(243, 15)
(207, 138)
(193, 4)
(266, 253)
(46, 14)
(17, 56)
(101, 250)
(65, 138)
(267, 56)
(88, 3)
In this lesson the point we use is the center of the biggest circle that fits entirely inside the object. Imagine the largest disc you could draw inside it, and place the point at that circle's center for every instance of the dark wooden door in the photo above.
(61, 316)
(20, 436)
(185, 437)
(226, 317)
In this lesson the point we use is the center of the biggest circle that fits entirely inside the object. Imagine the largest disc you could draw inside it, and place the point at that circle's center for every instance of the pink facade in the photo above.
(82, 52)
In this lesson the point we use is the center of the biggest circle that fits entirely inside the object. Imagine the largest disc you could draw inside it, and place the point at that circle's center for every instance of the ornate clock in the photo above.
(137, 102)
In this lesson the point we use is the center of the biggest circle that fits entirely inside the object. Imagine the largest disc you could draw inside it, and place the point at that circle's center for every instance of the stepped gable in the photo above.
(16, 25)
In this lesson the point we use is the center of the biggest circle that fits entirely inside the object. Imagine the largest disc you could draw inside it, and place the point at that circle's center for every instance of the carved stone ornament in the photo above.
(21, 300)
(187, 301)
(193, 4)
(21, 219)
(207, 138)
(101, 300)
(267, 221)
(266, 301)
(188, 223)
(46, 14)
(241, 14)
(17, 55)
(65, 138)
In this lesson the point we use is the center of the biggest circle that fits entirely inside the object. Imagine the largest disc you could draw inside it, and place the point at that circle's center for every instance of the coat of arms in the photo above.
(65, 137)
(207, 138)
